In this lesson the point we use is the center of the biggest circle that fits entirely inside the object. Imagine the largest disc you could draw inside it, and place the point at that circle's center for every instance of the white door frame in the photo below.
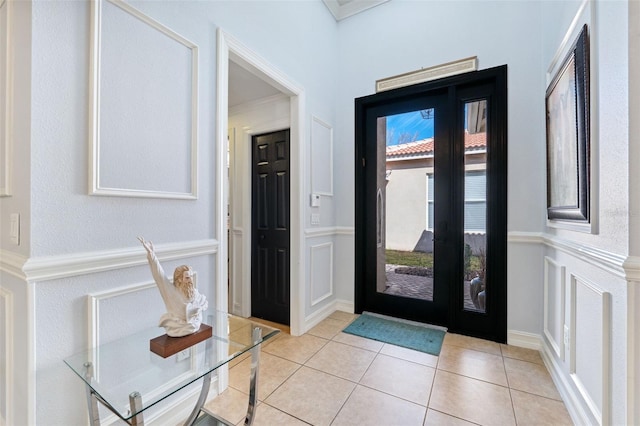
(228, 48)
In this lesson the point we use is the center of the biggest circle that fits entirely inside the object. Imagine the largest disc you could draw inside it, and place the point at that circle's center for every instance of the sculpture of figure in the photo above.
(183, 301)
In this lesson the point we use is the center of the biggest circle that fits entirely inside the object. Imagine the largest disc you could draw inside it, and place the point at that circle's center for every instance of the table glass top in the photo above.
(116, 369)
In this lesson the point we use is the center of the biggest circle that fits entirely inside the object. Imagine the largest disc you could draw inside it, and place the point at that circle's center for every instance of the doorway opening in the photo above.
(233, 197)
(431, 203)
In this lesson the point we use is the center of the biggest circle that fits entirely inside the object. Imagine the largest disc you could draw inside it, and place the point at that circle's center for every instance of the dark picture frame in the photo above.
(567, 125)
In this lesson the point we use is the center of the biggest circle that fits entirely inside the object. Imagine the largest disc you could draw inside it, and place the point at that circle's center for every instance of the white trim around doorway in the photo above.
(230, 49)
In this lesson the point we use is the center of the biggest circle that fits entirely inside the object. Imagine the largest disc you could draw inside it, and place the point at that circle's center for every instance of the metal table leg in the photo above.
(135, 401)
(253, 380)
(92, 401)
(206, 384)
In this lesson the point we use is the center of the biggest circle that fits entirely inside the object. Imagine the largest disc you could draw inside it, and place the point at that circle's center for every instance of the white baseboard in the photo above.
(345, 306)
(319, 315)
(524, 340)
(570, 398)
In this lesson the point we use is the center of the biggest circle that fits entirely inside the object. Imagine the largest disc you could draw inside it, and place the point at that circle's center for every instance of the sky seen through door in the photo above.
(409, 127)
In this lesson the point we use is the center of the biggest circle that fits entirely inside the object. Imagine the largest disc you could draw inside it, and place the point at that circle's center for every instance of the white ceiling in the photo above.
(245, 87)
(342, 9)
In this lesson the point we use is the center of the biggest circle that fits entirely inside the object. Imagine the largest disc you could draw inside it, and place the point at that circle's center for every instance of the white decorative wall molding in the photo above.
(321, 157)
(328, 231)
(6, 97)
(175, 129)
(584, 362)
(554, 295)
(605, 260)
(12, 263)
(317, 266)
(94, 300)
(631, 267)
(345, 230)
(525, 237)
(93, 310)
(320, 232)
(69, 265)
(8, 337)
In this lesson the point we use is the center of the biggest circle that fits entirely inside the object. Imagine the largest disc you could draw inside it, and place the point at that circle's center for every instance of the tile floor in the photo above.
(326, 377)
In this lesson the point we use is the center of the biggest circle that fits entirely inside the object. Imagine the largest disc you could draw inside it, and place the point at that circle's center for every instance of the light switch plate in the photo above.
(14, 233)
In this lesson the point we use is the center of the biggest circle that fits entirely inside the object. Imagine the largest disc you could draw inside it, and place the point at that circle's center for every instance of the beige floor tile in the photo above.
(472, 400)
(436, 418)
(345, 317)
(266, 415)
(231, 405)
(342, 360)
(522, 354)
(273, 372)
(404, 379)
(530, 377)
(537, 410)
(297, 349)
(327, 328)
(370, 407)
(472, 363)
(312, 396)
(359, 342)
(472, 343)
(410, 355)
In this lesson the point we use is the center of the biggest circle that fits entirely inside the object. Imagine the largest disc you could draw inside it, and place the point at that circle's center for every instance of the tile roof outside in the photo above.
(425, 147)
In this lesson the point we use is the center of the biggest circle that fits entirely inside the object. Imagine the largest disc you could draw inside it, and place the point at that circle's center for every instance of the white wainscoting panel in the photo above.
(144, 106)
(110, 305)
(554, 305)
(590, 345)
(321, 272)
(6, 98)
(128, 295)
(6, 357)
(321, 157)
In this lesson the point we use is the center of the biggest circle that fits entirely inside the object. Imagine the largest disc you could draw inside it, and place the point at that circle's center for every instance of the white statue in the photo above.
(183, 301)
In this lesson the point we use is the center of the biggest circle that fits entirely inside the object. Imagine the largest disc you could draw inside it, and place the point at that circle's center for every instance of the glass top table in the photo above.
(127, 377)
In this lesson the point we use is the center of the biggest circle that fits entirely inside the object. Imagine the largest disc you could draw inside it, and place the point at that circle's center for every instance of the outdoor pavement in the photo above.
(417, 287)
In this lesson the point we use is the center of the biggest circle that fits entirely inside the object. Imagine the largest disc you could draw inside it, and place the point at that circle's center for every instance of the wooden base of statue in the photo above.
(165, 346)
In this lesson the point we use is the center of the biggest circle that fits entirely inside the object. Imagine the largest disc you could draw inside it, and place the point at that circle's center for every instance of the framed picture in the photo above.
(567, 111)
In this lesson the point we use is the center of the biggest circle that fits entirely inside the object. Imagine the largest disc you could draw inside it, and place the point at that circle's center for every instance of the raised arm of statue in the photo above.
(181, 298)
(159, 276)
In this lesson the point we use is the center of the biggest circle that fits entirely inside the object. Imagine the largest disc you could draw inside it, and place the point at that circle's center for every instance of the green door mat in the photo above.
(397, 332)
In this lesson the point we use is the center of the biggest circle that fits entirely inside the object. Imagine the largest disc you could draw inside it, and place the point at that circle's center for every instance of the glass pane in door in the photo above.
(476, 289)
(405, 202)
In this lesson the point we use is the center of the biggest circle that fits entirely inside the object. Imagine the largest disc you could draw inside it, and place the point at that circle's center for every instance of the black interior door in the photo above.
(270, 256)
(431, 203)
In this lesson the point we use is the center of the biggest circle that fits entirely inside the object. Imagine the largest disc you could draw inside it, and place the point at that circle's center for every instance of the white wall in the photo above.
(75, 245)
(633, 301)
(401, 36)
(566, 277)
(586, 296)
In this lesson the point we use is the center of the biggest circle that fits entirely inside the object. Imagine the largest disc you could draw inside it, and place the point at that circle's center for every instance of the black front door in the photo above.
(270, 227)
(431, 203)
